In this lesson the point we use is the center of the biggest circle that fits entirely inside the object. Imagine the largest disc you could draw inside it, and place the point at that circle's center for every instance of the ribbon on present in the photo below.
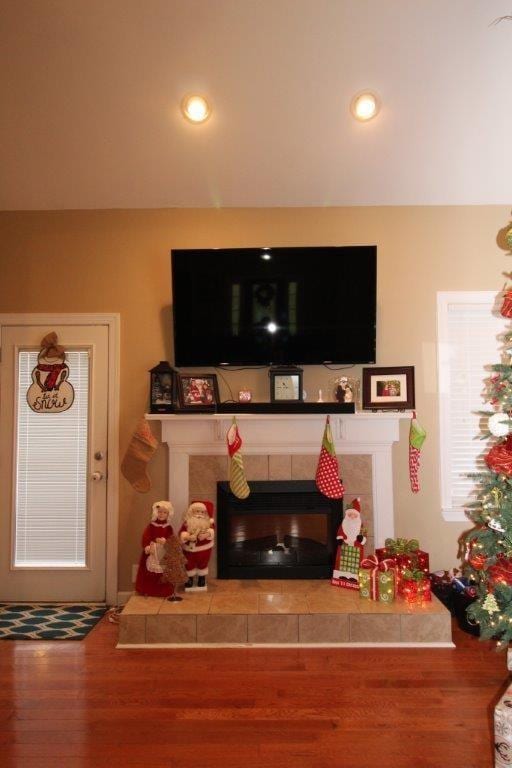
(372, 564)
(406, 554)
(402, 546)
(413, 575)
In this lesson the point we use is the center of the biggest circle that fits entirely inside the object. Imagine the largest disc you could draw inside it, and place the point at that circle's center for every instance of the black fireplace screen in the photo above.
(284, 529)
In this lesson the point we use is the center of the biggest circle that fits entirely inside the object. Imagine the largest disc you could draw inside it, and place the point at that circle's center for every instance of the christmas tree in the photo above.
(488, 546)
(173, 563)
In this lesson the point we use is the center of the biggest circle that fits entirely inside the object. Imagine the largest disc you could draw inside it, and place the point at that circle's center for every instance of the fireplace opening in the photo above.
(283, 530)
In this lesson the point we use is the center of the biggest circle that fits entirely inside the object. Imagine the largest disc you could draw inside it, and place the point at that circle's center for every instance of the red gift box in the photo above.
(407, 556)
(416, 590)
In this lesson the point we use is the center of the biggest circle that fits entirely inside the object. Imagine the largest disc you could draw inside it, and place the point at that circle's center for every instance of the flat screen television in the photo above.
(273, 306)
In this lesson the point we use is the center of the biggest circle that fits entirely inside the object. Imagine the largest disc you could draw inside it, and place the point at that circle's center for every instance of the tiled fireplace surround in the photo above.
(286, 447)
(282, 447)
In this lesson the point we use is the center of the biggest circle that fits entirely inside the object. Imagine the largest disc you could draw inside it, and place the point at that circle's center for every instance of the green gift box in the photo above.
(377, 580)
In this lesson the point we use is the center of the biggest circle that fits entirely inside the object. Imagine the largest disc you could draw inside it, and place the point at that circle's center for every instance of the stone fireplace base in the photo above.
(279, 614)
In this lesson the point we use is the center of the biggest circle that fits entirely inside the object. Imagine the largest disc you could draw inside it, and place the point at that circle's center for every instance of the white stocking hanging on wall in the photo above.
(50, 391)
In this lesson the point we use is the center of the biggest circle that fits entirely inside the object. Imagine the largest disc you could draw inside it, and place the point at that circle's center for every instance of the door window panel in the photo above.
(51, 473)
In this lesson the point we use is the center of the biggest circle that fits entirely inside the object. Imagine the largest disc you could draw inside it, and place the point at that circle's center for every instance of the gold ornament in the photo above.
(497, 495)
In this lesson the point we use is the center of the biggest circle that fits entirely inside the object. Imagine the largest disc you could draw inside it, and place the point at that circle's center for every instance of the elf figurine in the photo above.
(149, 576)
(197, 535)
(351, 537)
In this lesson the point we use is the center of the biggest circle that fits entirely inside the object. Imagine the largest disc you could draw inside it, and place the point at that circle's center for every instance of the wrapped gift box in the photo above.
(415, 588)
(441, 582)
(406, 554)
(377, 580)
(503, 730)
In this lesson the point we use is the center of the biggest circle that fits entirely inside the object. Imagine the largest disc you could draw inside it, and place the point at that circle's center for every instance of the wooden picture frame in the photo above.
(197, 392)
(388, 389)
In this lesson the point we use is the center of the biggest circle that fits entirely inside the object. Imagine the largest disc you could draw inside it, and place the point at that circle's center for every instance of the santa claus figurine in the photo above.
(351, 539)
(149, 576)
(197, 535)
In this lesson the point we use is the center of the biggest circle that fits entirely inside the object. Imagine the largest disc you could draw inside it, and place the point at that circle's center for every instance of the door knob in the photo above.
(99, 455)
(97, 476)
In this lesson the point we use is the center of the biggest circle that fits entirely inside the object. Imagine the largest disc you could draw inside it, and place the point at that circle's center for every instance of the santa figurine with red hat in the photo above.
(197, 535)
(351, 537)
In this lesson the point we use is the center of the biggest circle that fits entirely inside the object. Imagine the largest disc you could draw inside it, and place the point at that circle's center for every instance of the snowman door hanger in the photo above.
(50, 391)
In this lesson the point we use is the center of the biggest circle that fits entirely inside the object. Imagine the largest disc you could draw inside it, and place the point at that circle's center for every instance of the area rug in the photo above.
(48, 621)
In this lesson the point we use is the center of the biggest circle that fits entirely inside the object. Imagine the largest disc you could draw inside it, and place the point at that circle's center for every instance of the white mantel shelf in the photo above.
(188, 434)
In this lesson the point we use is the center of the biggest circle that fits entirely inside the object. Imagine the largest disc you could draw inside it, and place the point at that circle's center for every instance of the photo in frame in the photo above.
(386, 389)
(197, 391)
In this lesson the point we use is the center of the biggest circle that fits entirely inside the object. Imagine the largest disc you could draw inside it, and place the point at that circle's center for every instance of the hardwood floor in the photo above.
(75, 704)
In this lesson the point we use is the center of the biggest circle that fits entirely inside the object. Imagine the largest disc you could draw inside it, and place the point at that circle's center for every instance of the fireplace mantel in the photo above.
(191, 434)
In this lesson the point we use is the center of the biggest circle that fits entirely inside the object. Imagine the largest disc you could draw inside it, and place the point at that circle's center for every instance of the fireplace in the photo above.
(283, 530)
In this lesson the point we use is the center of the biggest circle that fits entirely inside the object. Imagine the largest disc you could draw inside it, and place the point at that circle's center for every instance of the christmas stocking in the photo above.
(237, 479)
(327, 472)
(417, 437)
(140, 450)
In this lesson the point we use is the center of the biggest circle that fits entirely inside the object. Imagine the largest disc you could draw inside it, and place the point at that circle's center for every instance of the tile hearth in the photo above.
(280, 613)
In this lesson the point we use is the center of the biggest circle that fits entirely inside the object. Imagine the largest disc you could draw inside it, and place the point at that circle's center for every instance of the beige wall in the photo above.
(118, 261)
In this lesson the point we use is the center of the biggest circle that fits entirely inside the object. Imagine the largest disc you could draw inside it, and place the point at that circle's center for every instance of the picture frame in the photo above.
(388, 389)
(198, 392)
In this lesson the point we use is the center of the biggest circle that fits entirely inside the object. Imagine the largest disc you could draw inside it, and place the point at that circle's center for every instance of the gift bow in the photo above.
(402, 546)
(371, 563)
(413, 575)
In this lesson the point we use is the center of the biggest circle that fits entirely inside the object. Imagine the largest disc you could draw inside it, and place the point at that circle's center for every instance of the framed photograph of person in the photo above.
(197, 392)
(388, 389)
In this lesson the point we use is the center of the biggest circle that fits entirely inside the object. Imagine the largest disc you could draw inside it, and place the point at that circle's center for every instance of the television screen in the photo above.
(268, 306)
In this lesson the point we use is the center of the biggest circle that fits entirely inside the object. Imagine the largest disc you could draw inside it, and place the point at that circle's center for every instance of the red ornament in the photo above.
(499, 458)
(506, 308)
(501, 572)
(477, 561)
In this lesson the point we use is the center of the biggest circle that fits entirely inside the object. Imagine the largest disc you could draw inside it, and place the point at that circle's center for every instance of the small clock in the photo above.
(286, 384)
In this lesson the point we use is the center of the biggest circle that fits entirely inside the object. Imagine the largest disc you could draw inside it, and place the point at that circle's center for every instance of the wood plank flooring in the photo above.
(79, 704)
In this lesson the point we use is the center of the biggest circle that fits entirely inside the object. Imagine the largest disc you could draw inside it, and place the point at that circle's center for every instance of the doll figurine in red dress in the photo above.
(149, 576)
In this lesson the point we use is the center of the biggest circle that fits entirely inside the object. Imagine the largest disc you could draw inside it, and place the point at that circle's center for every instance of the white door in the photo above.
(53, 471)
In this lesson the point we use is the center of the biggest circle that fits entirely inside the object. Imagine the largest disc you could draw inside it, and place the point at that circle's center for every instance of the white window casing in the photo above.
(469, 327)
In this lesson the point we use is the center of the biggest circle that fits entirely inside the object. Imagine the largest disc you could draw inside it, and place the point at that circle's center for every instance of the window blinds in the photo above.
(468, 345)
(51, 473)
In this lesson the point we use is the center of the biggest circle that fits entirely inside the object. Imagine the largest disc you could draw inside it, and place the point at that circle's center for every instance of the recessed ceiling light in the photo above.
(195, 108)
(365, 105)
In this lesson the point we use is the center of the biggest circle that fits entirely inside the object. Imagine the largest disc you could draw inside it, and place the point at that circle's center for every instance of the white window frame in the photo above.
(490, 301)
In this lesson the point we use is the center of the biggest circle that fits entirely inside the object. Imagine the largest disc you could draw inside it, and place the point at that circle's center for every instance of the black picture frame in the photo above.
(388, 389)
(198, 392)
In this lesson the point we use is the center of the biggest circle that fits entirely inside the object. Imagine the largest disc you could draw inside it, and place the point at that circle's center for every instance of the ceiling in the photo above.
(90, 93)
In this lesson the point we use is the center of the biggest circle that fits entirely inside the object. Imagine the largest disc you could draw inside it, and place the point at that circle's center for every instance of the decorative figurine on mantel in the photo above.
(197, 535)
(149, 576)
(343, 392)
